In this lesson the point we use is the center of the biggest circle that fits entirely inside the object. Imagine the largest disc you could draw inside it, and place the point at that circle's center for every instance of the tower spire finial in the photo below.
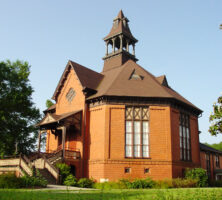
(120, 14)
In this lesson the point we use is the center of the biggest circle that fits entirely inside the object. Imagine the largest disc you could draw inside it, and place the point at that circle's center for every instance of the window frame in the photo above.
(144, 113)
(217, 160)
(184, 141)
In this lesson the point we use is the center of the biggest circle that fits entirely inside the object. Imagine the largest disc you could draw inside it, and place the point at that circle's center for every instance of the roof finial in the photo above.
(120, 14)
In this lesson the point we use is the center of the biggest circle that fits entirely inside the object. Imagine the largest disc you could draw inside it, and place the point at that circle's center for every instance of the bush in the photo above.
(126, 184)
(64, 170)
(108, 185)
(198, 174)
(164, 184)
(31, 181)
(85, 183)
(184, 183)
(70, 180)
(9, 180)
(142, 183)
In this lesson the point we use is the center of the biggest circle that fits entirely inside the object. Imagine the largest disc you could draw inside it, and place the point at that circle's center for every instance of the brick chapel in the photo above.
(123, 122)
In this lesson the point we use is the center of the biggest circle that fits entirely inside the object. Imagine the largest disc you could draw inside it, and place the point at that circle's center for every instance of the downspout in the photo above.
(84, 133)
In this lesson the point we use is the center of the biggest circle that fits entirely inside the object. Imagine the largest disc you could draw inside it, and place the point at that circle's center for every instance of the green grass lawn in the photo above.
(158, 194)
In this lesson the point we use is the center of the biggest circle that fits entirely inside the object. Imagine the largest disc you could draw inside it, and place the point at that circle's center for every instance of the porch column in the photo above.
(39, 144)
(63, 141)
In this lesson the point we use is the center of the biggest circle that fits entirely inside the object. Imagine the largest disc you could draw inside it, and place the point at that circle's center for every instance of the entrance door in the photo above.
(73, 170)
(59, 141)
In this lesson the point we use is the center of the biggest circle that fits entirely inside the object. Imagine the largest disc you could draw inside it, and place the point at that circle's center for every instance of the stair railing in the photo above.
(24, 166)
(52, 170)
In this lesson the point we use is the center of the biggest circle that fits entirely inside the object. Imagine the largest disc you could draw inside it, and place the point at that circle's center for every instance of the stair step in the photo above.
(46, 174)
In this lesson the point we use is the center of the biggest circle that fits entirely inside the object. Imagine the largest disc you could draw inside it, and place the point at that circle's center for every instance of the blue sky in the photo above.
(180, 39)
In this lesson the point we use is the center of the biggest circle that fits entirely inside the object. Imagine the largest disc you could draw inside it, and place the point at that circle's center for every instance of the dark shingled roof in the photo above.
(162, 80)
(117, 82)
(56, 118)
(204, 147)
(87, 77)
(121, 28)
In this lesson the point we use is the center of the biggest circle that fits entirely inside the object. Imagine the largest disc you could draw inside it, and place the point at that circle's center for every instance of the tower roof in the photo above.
(120, 26)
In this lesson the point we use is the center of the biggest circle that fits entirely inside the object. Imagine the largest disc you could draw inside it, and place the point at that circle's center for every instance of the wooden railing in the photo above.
(15, 163)
(54, 171)
(70, 154)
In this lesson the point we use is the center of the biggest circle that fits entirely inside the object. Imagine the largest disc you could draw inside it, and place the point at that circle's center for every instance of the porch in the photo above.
(65, 128)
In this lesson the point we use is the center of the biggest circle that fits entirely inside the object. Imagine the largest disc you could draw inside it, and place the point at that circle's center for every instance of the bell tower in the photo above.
(122, 44)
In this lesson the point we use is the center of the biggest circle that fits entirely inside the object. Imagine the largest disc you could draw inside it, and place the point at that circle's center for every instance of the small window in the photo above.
(217, 161)
(127, 170)
(70, 95)
(146, 170)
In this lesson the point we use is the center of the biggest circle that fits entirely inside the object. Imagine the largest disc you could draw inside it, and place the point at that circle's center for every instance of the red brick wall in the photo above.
(195, 148)
(107, 144)
(160, 133)
(179, 166)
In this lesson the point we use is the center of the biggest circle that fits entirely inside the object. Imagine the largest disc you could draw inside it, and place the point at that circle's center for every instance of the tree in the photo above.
(217, 146)
(18, 114)
(216, 118)
(49, 103)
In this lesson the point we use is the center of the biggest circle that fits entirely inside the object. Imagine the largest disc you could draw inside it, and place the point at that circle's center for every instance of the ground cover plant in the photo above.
(139, 194)
(9, 180)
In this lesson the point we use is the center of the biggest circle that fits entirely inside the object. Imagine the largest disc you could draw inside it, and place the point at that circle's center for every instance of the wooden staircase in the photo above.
(48, 176)
(43, 162)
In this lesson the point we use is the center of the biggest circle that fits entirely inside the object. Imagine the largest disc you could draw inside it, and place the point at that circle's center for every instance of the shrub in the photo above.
(31, 181)
(125, 183)
(142, 183)
(9, 180)
(163, 184)
(198, 174)
(85, 183)
(184, 183)
(108, 186)
(64, 170)
(70, 180)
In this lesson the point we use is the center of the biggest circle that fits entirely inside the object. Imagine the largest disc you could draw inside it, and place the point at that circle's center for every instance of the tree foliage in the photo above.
(217, 146)
(48, 103)
(18, 114)
(216, 118)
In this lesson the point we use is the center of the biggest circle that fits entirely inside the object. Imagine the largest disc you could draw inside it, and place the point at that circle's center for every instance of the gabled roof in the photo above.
(117, 82)
(120, 27)
(162, 80)
(51, 118)
(87, 77)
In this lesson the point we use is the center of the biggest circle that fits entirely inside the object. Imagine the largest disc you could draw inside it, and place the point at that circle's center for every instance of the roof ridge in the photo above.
(83, 66)
(122, 66)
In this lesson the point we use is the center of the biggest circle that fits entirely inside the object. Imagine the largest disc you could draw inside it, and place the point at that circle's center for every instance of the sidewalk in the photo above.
(64, 187)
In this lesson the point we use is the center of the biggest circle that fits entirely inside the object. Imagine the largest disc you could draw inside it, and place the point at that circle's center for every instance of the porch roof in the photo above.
(51, 119)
